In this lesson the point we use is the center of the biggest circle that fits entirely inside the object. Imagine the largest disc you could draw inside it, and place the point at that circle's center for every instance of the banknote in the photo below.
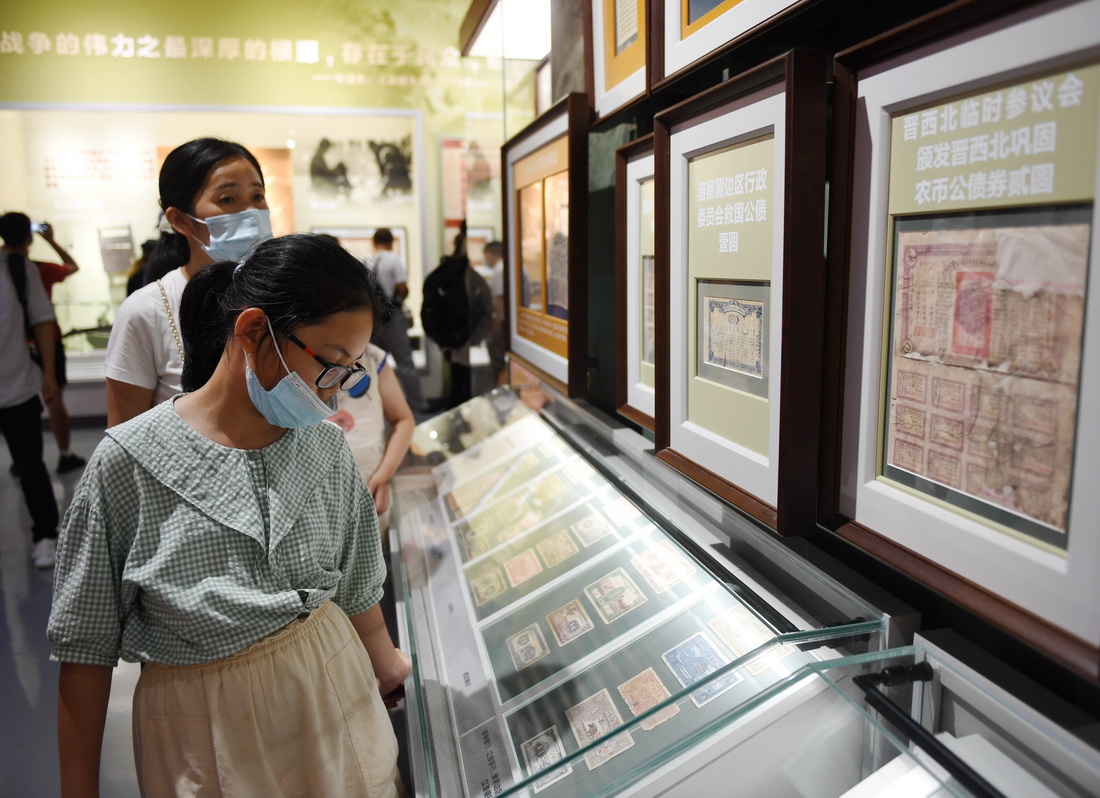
(663, 566)
(487, 585)
(693, 660)
(593, 719)
(614, 595)
(591, 528)
(527, 646)
(569, 622)
(473, 544)
(522, 567)
(557, 548)
(742, 631)
(645, 691)
(542, 751)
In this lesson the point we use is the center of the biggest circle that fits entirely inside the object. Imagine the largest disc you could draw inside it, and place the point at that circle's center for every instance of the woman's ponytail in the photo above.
(206, 309)
(172, 251)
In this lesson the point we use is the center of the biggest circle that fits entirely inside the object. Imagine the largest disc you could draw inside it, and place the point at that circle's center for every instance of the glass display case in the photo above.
(583, 621)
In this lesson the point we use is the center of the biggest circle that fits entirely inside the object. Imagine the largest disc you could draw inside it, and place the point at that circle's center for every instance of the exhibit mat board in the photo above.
(686, 31)
(970, 412)
(545, 199)
(636, 326)
(739, 411)
(618, 55)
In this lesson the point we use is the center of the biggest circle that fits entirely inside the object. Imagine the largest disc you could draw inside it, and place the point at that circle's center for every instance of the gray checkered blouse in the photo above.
(179, 550)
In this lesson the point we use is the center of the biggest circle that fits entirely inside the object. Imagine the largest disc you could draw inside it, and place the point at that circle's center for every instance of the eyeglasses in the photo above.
(333, 374)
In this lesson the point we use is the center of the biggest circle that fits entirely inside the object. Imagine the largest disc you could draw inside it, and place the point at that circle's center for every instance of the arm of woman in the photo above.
(400, 417)
(124, 401)
(83, 692)
(391, 665)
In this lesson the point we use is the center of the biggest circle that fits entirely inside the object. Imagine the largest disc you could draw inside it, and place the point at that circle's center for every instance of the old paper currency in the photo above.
(596, 718)
(557, 548)
(540, 753)
(487, 585)
(527, 646)
(522, 567)
(693, 660)
(986, 353)
(742, 631)
(614, 595)
(645, 691)
(569, 622)
(626, 24)
(591, 528)
(662, 566)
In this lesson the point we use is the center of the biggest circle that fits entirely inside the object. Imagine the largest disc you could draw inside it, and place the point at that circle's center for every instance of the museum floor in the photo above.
(28, 680)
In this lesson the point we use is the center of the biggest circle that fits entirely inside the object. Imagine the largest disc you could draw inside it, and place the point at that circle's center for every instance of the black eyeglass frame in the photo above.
(351, 374)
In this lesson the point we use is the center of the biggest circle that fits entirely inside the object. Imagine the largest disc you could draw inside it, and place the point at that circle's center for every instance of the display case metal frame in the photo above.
(1049, 600)
(788, 96)
(567, 121)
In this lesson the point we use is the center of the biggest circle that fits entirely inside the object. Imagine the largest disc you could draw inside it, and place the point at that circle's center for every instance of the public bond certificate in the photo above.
(985, 358)
(733, 334)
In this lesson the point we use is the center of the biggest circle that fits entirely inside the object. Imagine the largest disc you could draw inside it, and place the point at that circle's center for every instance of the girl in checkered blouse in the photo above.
(225, 539)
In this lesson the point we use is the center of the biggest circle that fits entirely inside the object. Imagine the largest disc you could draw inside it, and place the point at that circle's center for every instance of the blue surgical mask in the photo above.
(291, 403)
(232, 235)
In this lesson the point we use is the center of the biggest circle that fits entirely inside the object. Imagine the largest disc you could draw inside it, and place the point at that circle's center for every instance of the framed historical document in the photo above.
(635, 274)
(740, 186)
(685, 31)
(545, 193)
(619, 41)
(967, 438)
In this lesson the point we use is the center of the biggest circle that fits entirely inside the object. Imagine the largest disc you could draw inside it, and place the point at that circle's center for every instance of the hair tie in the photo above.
(237, 268)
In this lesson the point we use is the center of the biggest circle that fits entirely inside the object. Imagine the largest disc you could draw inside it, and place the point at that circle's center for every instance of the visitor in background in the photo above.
(393, 336)
(366, 411)
(495, 342)
(25, 310)
(212, 195)
(226, 539)
(15, 228)
(136, 278)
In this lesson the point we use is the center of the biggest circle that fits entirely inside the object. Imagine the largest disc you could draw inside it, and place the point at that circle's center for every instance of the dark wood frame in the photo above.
(576, 109)
(655, 58)
(591, 66)
(623, 156)
(804, 74)
(1068, 649)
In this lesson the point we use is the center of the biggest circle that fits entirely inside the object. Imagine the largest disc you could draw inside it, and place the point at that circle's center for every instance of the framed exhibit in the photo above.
(686, 31)
(967, 438)
(740, 190)
(635, 274)
(545, 202)
(618, 37)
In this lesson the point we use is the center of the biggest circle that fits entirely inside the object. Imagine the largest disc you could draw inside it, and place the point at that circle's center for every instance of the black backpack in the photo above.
(445, 312)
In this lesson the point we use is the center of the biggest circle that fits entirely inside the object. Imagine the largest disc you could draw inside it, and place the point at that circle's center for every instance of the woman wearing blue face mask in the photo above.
(226, 539)
(212, 195)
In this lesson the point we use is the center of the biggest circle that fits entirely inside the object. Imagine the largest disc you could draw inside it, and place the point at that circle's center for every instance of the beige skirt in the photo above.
(295, 714)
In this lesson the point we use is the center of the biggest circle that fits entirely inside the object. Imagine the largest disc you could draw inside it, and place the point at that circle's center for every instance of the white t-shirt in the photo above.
(142, 349)
(20, 378)
(390, 271)
(496, 279)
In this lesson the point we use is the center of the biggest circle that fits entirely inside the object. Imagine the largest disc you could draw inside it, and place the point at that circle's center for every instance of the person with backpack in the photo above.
(393, 336)
(457, 313)
(26, 312)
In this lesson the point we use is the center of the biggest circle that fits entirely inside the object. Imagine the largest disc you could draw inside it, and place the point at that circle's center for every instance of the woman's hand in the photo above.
(379, 486)
(392, 687)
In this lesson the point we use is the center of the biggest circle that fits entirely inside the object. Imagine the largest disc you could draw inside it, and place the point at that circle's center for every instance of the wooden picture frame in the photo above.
(635, 277)
(617, 34)
(772, 118)
(547, 322)
(945, 509)
(684, 33)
